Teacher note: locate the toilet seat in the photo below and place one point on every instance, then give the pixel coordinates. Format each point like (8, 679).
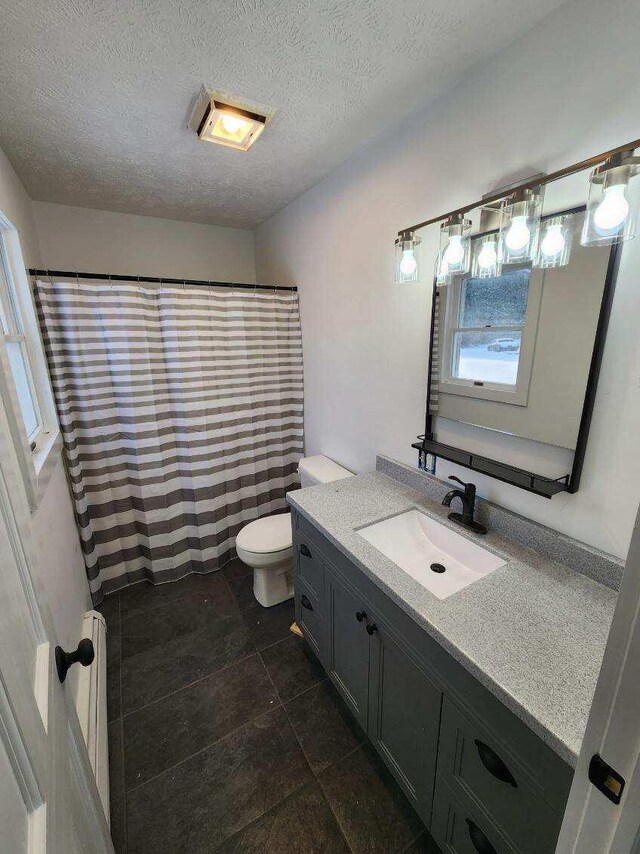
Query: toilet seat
(269, 535)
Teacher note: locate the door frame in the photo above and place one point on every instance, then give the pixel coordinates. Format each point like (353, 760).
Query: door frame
(592, 823)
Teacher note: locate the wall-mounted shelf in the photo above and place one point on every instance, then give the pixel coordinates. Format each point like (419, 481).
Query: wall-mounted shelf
(543, 486)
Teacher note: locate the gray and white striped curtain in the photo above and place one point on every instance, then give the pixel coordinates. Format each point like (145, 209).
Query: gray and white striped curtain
(181, 411)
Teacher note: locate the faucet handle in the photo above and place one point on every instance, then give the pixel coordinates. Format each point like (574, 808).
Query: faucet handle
(457, 480)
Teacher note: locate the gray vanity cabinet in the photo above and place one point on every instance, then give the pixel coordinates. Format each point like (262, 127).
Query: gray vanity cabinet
(479, 778)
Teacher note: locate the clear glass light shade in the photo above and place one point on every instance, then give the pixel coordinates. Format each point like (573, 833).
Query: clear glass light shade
(486, 258)
(455, 249)
(612, 206)
(554, 243)
(519, 226)
(407, 261)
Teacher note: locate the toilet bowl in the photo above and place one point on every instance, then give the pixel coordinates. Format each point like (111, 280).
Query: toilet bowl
(266, 545)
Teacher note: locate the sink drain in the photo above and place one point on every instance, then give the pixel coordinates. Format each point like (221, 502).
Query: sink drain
(438, 567)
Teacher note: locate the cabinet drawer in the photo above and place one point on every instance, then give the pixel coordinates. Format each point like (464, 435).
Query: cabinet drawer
(309, 618)
(475, 763)
(461, 828)
(309, 566)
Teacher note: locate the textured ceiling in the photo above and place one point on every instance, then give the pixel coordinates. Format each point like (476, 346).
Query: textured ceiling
(95, 94)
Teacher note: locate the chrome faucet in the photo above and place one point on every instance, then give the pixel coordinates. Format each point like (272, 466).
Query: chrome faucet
(468, 499)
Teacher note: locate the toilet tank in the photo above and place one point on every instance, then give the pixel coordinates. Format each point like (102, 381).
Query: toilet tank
(320, 469)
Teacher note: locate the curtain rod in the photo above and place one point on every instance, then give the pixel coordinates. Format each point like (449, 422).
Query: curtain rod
(525, 185)
(157, 280)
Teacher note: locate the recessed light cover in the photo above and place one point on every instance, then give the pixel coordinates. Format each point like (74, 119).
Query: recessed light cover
(229, 125)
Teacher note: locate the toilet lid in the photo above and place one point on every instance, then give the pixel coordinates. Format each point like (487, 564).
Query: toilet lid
(271, 534)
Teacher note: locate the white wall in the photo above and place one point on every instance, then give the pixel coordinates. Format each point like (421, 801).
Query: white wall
(96, 241)
(566, 90)
(59, 571)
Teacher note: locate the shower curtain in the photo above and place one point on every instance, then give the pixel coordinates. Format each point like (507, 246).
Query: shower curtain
(181, 411)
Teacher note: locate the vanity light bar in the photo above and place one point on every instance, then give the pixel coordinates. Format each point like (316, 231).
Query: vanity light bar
(530, 184)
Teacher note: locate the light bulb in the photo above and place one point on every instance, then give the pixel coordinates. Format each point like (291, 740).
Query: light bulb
(454, 253)
(231, 124)
(408, 263)
(553, 242)
(487, 256)
(518, 235)
(612, 210)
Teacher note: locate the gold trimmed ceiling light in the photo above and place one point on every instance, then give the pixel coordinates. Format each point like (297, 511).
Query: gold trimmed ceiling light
(225, 122)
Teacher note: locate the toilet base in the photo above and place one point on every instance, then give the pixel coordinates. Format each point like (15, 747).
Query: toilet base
(274, 584)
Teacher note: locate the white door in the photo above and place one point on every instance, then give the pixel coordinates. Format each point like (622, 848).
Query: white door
(48, 797)
(593, 824)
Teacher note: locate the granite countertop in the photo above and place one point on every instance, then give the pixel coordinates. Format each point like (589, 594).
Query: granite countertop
(533, 632)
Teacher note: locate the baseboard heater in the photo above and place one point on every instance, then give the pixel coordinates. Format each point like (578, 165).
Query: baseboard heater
(91, 703)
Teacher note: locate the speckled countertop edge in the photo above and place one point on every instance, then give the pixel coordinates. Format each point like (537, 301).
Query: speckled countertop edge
(533, 632)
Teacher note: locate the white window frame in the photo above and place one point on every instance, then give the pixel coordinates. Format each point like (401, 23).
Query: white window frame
(517, 394)
(37, 465)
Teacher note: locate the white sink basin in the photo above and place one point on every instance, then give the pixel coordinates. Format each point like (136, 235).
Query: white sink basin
(415, 543)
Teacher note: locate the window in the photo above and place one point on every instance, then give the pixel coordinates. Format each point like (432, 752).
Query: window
(25, 391)
(16, 343)
(489, 336)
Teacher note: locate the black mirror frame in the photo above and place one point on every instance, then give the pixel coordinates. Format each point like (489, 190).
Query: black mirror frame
(538, 484)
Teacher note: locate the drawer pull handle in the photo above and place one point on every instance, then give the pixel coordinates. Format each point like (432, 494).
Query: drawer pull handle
(361, 615)
(494, 764)
(478, 839)
(305, 551)
(371, 628)
(304, 601)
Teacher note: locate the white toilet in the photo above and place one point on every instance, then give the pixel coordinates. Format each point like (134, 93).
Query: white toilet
(266, 545)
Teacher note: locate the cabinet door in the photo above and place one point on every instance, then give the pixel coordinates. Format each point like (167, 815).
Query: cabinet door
(404, 719)
(348, 647)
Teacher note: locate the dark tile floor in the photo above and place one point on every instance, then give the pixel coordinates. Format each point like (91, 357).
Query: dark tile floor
(225, 735)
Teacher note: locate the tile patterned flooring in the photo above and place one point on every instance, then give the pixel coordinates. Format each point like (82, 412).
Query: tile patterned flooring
(225, 735)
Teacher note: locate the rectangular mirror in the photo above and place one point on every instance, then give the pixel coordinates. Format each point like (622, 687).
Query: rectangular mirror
(516, 345)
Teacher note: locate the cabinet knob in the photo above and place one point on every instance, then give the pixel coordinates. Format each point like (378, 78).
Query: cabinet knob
(304, 601)
(84, 654)
(494, 764)
(478, 839)
(304, 550)
(371, 628)
(361, 615)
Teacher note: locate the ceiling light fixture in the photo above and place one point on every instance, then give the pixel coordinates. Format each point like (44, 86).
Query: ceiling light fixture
(231, 126)
(223, 119)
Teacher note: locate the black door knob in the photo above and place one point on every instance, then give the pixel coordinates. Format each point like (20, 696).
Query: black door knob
(304, 601)
(371, 628)
(304, 550)
(361, 615)
(84, 654)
